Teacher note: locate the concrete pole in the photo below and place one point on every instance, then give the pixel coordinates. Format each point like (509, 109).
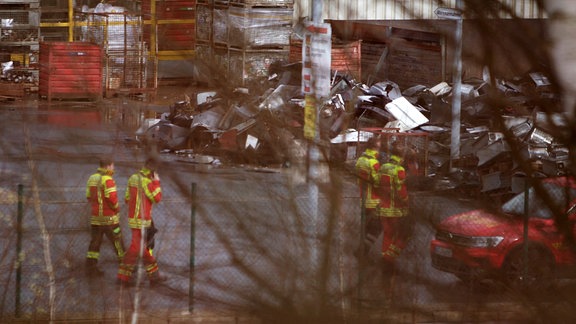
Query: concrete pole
(457, 90)
(562, 24)
(317, 7)
(314, 169)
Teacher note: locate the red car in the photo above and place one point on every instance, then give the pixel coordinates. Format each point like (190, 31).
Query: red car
(479, 244)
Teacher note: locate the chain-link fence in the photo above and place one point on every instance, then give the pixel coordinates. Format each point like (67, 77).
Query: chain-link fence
(229, 240)
(239, 241)
(243, 240)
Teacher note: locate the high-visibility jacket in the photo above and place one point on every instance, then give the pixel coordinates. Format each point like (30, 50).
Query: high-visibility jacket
(367, 167)
(102, 195)
(141, 193)
(392, 189)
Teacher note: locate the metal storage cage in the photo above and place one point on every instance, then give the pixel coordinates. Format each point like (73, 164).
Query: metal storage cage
(128, 66)
(203, 23)
(248, 65)
(259, 26)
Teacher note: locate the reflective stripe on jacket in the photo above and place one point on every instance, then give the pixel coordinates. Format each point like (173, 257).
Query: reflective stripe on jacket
(367, 167)
(141, 193)
(392, 189)
(103, 198)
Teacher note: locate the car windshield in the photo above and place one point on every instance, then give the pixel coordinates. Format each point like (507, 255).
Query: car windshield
(561, 197)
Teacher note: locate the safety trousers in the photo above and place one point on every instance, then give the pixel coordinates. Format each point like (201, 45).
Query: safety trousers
(395, 237)
(128, 264)
(114, 235)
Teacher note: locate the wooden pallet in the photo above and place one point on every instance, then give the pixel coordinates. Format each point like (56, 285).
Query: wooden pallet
(9, 90)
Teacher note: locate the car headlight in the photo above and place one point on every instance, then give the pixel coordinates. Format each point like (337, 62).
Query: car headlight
(469, 241)
(482, 241)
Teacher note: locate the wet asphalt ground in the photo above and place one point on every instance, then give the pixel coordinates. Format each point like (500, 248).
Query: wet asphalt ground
(248, 243)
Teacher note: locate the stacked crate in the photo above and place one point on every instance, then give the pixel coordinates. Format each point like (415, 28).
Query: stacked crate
(70, 70)
(259, 34)
(19, 37)
(346, 57)
(174, 23)
(252, 34)
(204, 24)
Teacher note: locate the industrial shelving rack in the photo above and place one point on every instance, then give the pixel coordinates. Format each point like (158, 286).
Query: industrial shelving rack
(170, 24)
(19, 43)
(54, 20)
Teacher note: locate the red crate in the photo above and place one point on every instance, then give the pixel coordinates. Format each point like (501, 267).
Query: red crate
(170, 9)
(70, 70)
(345, 57)
(176, 37)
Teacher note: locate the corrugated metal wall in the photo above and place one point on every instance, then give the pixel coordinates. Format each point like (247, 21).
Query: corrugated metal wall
(403, 9)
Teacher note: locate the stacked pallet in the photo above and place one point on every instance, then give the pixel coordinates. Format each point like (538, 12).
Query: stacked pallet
(10, 90)
(243, 37)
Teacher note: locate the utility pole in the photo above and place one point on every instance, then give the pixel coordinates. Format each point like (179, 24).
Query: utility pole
(455, 14)
(314, 152)
(457, 90)
(316, 61)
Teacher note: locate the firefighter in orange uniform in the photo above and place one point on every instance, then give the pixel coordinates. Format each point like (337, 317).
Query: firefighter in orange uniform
(104, 220)
(143, 191)
(393, 207)
(367, 167)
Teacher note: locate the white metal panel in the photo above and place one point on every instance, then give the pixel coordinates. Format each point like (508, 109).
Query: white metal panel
(402, 9)
(380, 9)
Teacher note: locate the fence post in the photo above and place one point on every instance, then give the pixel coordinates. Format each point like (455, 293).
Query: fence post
(192, 247)
(362, 253)
(527, 184)
(19, 249)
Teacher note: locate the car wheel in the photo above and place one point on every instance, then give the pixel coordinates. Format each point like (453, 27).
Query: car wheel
(533, 270)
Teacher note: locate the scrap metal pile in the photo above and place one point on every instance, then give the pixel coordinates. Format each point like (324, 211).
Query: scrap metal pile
(266, 128)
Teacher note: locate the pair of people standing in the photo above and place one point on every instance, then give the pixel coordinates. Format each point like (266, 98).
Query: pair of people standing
(143, 191)
(384, 197)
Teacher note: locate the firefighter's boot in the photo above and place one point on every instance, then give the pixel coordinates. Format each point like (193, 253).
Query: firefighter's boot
(92, 268)
(156, 278)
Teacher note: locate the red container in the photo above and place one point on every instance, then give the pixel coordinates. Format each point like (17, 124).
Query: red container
(345, 57)
(70, 70)
(170, 9)
(175, 21)
(176, 37)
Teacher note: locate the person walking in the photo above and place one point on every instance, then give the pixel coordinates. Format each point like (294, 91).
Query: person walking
(367, 167)
(393, 207)
(142, 193)
(102, 195)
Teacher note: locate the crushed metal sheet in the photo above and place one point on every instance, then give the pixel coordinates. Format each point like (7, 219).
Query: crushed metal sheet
(352, 136)
(406, 112)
